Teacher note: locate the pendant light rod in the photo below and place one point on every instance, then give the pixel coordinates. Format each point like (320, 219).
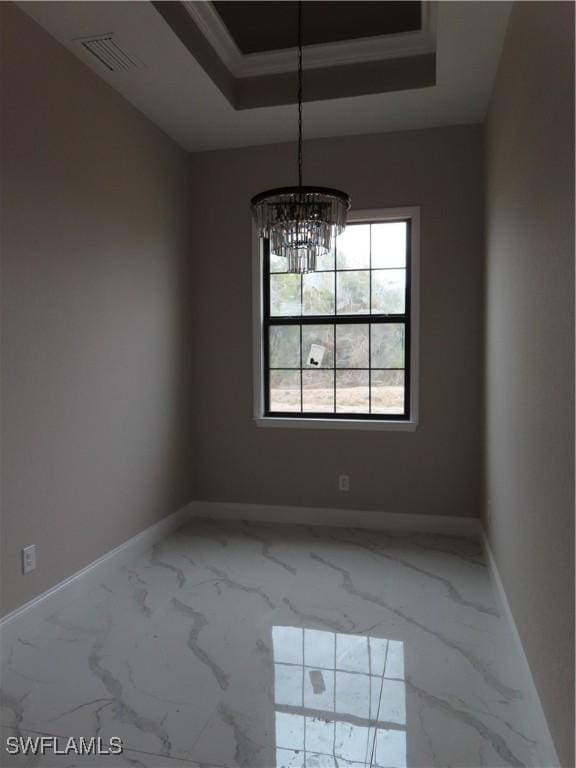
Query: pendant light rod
(301, 223)
(299, 93)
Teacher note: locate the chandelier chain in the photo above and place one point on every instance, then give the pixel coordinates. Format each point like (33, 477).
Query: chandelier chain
(299, 93)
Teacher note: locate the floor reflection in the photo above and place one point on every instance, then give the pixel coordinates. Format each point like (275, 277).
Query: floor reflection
(340, 700)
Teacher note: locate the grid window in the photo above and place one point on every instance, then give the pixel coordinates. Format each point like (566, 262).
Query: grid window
(336, 341)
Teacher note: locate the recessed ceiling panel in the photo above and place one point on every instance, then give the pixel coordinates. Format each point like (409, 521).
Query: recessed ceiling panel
(267, 26)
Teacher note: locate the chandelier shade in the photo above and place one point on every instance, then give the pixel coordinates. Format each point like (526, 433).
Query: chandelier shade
(300, 222)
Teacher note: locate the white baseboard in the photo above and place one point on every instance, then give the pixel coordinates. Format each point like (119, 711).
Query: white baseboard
(338, 518)
(541, 734)
(43, 605)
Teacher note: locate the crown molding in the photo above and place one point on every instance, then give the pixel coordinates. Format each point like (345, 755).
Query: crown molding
(216, 33)
(362, 50)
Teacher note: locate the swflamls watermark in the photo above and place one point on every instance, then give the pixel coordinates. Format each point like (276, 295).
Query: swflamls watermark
(55, 745)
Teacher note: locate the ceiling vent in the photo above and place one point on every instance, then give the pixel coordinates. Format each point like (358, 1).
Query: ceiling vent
(109, 54)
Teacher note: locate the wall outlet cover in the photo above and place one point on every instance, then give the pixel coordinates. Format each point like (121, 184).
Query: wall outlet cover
(28, 558)
(344, 482)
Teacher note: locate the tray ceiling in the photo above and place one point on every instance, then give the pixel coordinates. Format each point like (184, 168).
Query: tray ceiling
(172, 87)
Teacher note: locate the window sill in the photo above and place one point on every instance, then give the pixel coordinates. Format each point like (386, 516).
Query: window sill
(354, 424)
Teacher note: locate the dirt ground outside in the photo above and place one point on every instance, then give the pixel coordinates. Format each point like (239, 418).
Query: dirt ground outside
(351, 399)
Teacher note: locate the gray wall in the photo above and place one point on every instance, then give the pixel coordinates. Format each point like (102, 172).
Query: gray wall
(530, 346)
(95, 242)
(436, 469)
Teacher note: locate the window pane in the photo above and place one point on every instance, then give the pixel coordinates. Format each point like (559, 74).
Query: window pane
(284, 390)
(353, 247)
(352, 346)
(278, 263)
(317, 346)
(387, 345)
(284, 295)
(352, 391)
(326, 261)
(353, 292)
(318, 391)
(318, 293)
(285, 346)
(388, 291)
(389, 245)
(388, 392)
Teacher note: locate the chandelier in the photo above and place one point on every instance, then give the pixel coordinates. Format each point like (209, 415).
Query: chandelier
(301, 222)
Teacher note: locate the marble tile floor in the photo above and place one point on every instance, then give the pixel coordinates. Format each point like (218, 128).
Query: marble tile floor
(235, 644)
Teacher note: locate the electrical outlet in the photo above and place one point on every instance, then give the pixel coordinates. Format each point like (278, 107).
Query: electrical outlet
(343, 482)
(29, 558)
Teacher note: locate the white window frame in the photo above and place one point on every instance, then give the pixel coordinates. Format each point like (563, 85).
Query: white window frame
(376, 215)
